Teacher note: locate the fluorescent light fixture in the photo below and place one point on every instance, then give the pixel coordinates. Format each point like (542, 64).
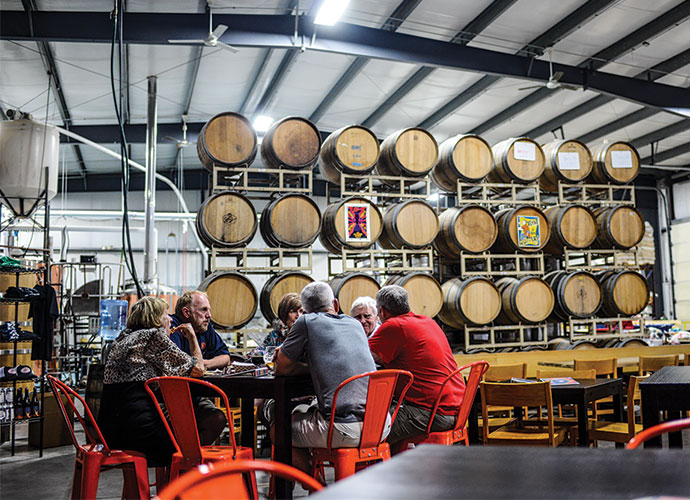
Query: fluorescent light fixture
(262, 123)
(330, 11)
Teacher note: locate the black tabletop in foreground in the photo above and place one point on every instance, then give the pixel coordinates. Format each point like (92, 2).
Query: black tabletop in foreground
(519, 472)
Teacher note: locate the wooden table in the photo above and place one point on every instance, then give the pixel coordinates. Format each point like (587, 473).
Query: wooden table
(492, 472)
(665, 390)
(580, 395)
(282, 389)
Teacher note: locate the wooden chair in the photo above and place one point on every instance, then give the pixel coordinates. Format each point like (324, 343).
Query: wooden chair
(381, 388)
(520, 432)
(95, 456)
(606, 368)
(499, 416)
(650, 364)
(620, 432)
(663, 428)
(182, 427)
(458, 434)
(225, 480)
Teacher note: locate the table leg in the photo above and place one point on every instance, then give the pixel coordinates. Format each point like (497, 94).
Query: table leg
(582, 434)
(675, 439)
(650, 418)
(618, 408)
(283, 441)
(248, 423)
(473, 424)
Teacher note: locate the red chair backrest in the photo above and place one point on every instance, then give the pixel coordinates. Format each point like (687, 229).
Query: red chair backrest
(224, 480)
(477, 371)
(380, 392)
(179, 406)
(87, 420)
(652, 432)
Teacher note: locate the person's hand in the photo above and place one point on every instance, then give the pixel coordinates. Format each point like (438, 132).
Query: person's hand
(186, 330)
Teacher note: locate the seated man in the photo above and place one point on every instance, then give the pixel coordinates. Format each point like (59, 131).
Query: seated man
(194, 308)
(363, 309)
(415, 343)
(334, 348)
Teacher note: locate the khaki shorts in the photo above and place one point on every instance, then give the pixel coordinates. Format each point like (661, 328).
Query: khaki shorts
(310, 429)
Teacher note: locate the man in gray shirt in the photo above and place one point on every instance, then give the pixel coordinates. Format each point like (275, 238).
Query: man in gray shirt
(331, 347)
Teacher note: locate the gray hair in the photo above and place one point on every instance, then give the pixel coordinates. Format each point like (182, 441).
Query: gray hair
(394, 299)
(364, 301)
(316, 297)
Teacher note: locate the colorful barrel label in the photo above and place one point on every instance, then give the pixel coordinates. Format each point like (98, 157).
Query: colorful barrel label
(528, 231)
(357, 222)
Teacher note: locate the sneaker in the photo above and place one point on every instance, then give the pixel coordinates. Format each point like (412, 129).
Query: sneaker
(8, 374)
(24, 372)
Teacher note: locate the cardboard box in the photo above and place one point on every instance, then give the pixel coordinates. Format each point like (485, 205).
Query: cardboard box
(55, 432)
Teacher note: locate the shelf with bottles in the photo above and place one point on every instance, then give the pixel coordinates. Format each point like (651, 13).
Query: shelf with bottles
(17, 405)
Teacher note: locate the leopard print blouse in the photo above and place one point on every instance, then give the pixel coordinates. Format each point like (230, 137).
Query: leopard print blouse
(140, 355)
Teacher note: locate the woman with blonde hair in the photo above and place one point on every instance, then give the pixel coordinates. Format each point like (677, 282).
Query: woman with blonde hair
(128, 417)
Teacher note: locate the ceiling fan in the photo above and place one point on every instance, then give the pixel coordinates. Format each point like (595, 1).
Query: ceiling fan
(553, 81)
(213, 35)
(184, 142)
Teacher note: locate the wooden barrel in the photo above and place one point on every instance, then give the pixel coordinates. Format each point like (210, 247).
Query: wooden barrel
(410, 224)
(276, 287)
(232, 297)
(411, 152)
(292, 143)
(567, 161)
(464, 158)
(525, 300)
(291, 221)
(571, 226)
(349, 286)
(619, 227)
(228, 140)
(354, 223)
(470, 228)
(522, 229)
(474, 301)
(616, 162)
(352, 150)
(624, 293)
(517, 160)
(227, 220)
(424, 292)
(576, 294)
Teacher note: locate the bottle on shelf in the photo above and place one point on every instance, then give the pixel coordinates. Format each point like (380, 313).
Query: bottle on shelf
(27, 404)
(9, 406)
(19, 405)
(35, 405)
(3, 407)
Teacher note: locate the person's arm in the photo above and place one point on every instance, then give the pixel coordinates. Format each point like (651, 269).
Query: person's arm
(194, 350)
(377, 360)
(285, 366)
(217, 362)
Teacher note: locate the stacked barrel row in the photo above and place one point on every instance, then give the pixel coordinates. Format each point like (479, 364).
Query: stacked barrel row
(557, 296)
(228, 219)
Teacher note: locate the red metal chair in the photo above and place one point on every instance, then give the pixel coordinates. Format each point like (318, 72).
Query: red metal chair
(184, 433)
(225, 480)
(95, 455)
(381, 389)
(652, 432)
(459, 432)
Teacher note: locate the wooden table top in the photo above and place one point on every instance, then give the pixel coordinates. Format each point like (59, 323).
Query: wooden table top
(516, 472)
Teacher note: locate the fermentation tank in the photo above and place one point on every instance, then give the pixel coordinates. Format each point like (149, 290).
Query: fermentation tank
(26, 149)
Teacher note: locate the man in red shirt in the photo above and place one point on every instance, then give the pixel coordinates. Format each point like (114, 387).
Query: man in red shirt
(415, 343)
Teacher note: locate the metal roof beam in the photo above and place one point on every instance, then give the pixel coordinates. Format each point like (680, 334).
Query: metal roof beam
(652, 29)
(463, 37)
(554, 34)
(662, 133)
(55, 84)
(654, 73)
(666, 155)
(393, 22)
(278, 31)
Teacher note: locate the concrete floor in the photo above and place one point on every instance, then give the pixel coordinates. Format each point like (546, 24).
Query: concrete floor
(26, 476)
